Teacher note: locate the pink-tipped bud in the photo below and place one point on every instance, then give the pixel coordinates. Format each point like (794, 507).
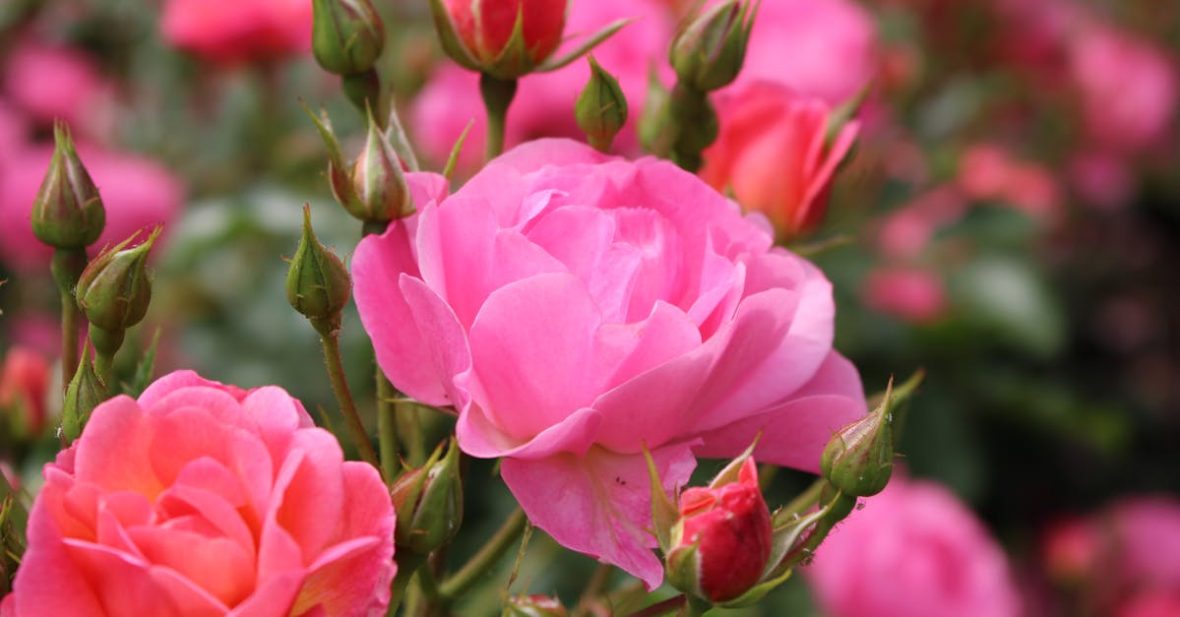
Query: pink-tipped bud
(507, 38)
(722, 541)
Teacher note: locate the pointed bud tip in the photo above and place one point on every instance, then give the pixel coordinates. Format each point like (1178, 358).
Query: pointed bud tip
(858, 461)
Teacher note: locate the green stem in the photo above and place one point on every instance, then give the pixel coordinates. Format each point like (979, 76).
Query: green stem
(364, 91)
(662, 608)
(104, 367)
(386, 427)
(487, 556)
(67, 266)
(593, 589)
(497, 96)
(330, 337)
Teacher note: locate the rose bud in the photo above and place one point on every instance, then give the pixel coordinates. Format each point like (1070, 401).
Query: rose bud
(318, 285)
(708, 53)
(379, 184)
(858, 460)
(429, 502)
(84, 392)
(505, 38)
(534, 606)
(67, 212)
(114, 292)
(721, 542)
(601, 109)
(347, 36)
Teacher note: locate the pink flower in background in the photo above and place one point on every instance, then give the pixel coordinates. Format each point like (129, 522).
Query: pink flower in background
(823, 48)
(1154, 604)
(1101, 179)
(236, 31)
(914, 550)
(914, 294)
(14, 133)
(906, 232)
(1072, 549)
(199, 499)
(544, 103)
(55, 82)
(24, 387)
(137, 193)
(1145, 543)
(773, 153)
(990, 172)
(1128, 88)
(574, 308)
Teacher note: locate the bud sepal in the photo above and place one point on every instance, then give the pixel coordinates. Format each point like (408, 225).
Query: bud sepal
(429, 502)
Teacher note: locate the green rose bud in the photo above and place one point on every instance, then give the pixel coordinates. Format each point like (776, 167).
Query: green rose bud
(347, 36)
(318, 285)
(708, 54)
(67, 212)
(601, 109)
(429, 503)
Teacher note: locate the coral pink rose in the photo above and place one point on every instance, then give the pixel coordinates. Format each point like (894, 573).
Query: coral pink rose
(544, 103)
(822, 48)
(1129, 89)
(773, 152)
(914, 550)
(58, 83)
(235, 31)
(137, 192)
(24, 387)
(204, 499)
(575, 308)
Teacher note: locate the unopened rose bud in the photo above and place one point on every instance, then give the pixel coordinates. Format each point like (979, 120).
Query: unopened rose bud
(429, 503)
(601, 110)
(534, 606)
(115, 290)
(347, 36)
(318, 285)
(708, 54)
(722, 540)
(378, 182)
(859, 458)
(505, 38)
(84, 392)
(67, 212)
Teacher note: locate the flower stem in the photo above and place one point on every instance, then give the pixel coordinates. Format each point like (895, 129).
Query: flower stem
(487, 556)
(497, 96)
(67, 267)
(330, 337)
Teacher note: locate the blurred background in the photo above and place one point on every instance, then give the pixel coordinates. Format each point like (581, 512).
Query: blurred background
(1009, 222)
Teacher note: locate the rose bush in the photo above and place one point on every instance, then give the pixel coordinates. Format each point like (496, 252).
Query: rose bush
(205, 499)
(575, 308)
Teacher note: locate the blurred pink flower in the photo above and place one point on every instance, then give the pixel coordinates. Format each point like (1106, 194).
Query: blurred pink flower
(40, 332)
(575, 308)
(236, 31)
(773, 152)
(1071, 550)
(906, 232)
(1128, 88)
(199, 499)
(1152, 604)
(544, 103)
(914, 550)
(54, 82)
(1146, 542)
(822, 48)
(137, 192)
(24, 387)
(989, 172)
(14, 133)
(910, 293)
(1101, 179)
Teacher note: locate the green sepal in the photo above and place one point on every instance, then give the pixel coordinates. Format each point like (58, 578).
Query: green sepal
(584, 48)
(664, 513)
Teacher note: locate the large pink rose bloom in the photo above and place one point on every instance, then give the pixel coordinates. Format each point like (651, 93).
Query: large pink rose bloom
(235, 31)
(138, 193)
(544, 103)
(58, 83)
(1129, 88)
(914, 550)
(575, 307)
(203, 499)
(823, 48)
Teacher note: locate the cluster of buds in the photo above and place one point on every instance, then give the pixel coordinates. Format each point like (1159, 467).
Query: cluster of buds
(429, 503)
(84, 392)
(347, 38)
(115, 290)
(722, 546)
(373, 188)
(706, 55)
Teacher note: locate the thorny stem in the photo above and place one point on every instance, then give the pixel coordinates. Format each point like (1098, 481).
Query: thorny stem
(330, 337)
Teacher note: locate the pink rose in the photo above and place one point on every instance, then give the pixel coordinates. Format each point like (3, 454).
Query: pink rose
(914, 550)
(137, 192)
(575, 308)
(1128, 88)
(204, 499)
(544, 103)
(24, 387)
(1145, 542)
(772, 151)
(822, 48)
(913, 294)
(236, 31)
(52, 83)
